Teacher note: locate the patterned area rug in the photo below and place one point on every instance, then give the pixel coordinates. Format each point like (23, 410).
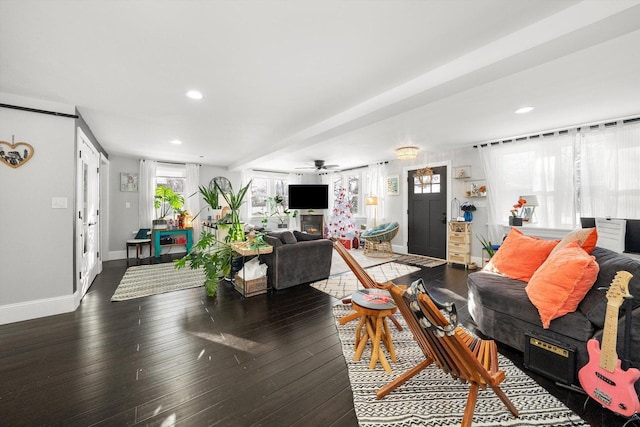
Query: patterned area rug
(420, 260)
(342, 285)
(145, 280)
(433, 398)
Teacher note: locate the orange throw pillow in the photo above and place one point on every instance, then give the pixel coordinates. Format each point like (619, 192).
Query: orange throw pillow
(586, 237)
(562, 282)
(520, 256)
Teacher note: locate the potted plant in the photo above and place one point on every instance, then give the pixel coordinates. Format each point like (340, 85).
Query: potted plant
(277, 209)
(235, 200)
(515, 219)
(165, 201)
(468, 208)
(214, 256)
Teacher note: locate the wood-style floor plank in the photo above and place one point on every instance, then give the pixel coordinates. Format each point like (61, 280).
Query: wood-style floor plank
(184, 358)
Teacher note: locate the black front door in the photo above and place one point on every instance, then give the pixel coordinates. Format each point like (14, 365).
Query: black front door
(428, 212)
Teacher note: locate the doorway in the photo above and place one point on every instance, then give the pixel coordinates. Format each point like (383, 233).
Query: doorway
(427, 211)
(88, 262)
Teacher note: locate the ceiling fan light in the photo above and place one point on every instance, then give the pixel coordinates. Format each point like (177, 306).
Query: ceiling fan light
(407, 153)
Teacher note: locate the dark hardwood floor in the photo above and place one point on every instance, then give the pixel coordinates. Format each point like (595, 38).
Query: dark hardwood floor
(184, 359)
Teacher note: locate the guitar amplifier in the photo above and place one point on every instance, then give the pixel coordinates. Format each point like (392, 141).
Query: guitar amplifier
(550, 358)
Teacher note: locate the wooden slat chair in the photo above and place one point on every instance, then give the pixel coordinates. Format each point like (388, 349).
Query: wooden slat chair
(364, 278)
(467, 358)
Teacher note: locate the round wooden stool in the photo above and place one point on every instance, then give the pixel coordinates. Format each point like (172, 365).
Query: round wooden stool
(374, 306)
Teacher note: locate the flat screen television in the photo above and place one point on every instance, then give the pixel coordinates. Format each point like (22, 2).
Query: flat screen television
(308, 196)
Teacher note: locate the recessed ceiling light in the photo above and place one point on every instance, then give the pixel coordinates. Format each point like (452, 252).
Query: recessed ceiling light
(176, 141)
(194, 94)
(524, 110)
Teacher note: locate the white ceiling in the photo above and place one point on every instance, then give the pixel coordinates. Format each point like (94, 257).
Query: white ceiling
(287, 82)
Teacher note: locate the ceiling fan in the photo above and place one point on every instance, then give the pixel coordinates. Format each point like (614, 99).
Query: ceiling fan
(319, 165)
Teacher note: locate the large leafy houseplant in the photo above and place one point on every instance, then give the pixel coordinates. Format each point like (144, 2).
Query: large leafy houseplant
(213, 255)
(166, 200)
(278, 210)
(235, 200)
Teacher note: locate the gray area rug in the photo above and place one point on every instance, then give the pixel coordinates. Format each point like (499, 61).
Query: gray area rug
(345, 284)
(433, 398)
(420, 260)
(145, 280)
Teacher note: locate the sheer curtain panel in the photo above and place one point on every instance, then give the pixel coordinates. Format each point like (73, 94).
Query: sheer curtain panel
(192, 197)
(609, 170)
(147, 191)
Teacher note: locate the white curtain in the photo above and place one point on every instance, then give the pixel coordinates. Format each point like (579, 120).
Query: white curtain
(192, 197)
(327, 178)
(146, 194)
(294, 178)
(375, 186)
(543, 167)
(609, 172)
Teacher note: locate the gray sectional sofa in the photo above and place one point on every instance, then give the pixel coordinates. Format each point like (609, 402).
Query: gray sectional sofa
(297, 258)
(502, 311)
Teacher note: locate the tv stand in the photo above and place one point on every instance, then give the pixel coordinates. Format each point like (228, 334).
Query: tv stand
(312, 224)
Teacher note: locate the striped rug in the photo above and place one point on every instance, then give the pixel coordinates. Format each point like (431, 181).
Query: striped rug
(144, 280)
(433, 398)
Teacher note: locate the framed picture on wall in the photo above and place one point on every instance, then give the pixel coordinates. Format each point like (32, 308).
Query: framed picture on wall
(393, 185)
(128, 181)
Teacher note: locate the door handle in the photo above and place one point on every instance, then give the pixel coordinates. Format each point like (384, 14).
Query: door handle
(444, 217)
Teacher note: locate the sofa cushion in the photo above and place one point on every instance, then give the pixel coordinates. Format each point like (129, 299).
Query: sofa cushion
(304, 237)
(561, 282)
(594, 304)
(520, 256)
(286, 237)
(586, 237)
(490, 291)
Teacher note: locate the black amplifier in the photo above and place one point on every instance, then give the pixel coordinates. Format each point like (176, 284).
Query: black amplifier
(550, 358)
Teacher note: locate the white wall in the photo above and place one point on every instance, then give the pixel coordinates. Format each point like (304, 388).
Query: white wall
(124, 220)
(396, 206)
(36, 241)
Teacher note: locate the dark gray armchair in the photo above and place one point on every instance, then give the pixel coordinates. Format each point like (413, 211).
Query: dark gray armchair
(297, 258)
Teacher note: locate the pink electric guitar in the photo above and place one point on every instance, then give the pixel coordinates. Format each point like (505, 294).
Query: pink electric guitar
(603, 378)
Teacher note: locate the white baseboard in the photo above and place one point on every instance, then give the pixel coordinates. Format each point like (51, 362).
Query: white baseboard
(117, 255)
(113, 255)
(27, 310)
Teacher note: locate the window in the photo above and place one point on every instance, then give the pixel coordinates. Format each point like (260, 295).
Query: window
(265, 186)
(586, 173)
(352, 182)
(173, 176)
(426, 184)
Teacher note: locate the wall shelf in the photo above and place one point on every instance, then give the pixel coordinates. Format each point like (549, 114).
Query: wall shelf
(462, 172)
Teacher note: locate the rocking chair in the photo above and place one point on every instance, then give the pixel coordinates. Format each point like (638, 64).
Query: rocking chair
(467, 358)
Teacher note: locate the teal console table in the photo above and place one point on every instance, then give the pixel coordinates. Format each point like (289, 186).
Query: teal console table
(157, 234)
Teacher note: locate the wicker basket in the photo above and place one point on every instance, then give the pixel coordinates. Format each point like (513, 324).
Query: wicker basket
(249, 288)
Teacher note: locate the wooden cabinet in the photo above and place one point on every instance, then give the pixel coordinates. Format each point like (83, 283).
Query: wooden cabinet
(459, 243)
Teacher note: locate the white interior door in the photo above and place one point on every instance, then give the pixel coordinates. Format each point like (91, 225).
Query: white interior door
(88, 263)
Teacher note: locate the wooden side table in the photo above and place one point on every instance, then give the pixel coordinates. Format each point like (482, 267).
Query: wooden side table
(251, 287)
(374, 306)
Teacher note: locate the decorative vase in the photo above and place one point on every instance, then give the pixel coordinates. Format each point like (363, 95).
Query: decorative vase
(515, 221)
(468, 216)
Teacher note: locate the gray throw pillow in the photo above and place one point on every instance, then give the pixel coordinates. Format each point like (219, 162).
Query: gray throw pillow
(303, 237)
(287, 238)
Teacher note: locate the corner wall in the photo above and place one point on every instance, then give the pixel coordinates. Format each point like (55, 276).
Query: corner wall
(36, 240)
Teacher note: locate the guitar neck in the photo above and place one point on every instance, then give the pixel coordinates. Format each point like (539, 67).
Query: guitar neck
(608, 354)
